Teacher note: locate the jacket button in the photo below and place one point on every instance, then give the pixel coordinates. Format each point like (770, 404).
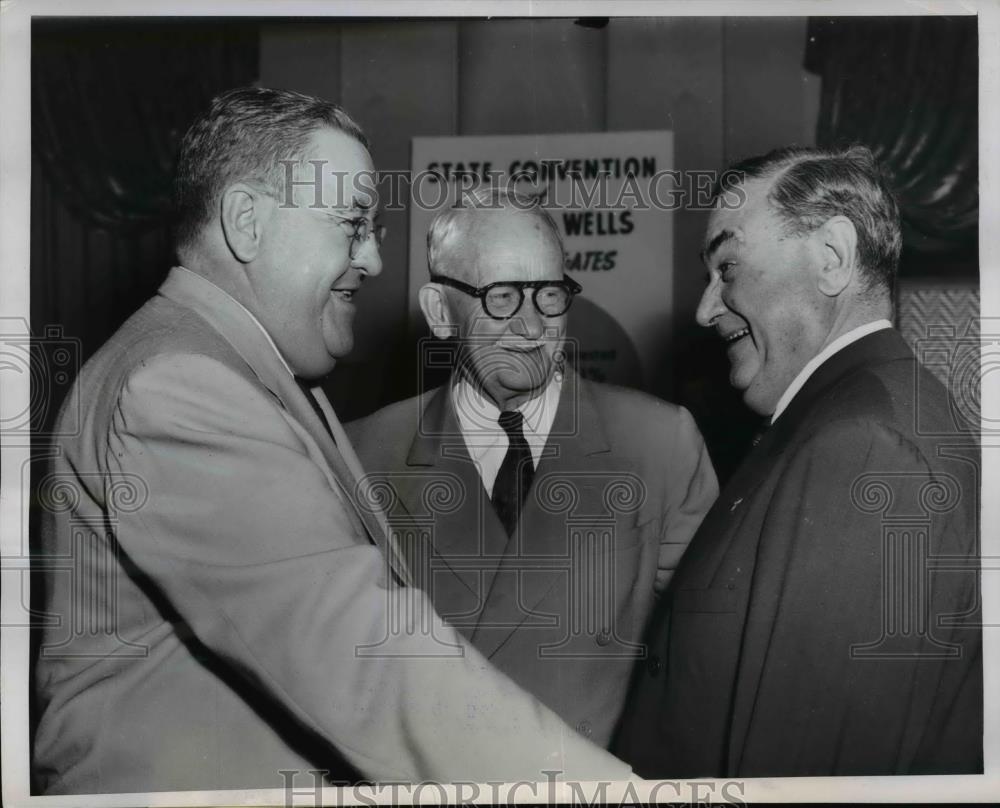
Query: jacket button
(603, 638)
(584, 728)
(653, 665)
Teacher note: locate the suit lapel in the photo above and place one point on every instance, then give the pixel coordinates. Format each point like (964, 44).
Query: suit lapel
(248, 338)
(439, 444)
(466, 541)
(353, 482)
(725, 518)
(882, 346)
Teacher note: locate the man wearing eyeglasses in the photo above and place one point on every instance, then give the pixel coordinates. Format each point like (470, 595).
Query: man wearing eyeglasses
(553, 508)
(219, 592)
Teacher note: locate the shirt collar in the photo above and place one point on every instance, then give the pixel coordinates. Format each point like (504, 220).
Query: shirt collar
(246, 311)
(477, 414)
(838, 344)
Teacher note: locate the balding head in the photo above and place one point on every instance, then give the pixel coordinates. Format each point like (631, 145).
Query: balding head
(492, 220)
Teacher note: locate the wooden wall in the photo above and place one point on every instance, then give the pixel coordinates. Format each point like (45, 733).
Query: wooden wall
(727, 87)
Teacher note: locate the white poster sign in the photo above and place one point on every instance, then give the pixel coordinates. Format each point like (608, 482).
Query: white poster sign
(610, 194)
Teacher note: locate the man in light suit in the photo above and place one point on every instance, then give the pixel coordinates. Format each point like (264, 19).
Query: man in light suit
(223, 590)
(825, 619)
(569, 502)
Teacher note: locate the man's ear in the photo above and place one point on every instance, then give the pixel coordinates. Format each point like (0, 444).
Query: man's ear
(436, 311)
(838, 245)
(243, 213)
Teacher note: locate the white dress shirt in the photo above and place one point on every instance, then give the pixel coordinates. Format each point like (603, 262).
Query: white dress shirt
(838, 344)
(485, 439)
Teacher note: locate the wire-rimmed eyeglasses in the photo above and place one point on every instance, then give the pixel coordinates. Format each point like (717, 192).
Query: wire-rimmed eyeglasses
(362, 229)
(503, 299)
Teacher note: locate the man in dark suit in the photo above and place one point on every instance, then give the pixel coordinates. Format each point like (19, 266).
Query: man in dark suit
(556, 532)
(228, 605)
(825, 619)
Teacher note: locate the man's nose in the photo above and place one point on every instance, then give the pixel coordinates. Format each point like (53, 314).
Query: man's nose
(711, 307)
(368, 257)
(528, 322)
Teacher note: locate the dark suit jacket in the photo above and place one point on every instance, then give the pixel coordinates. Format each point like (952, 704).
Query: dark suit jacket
(825, 617)
(560, 607)
(222, 613)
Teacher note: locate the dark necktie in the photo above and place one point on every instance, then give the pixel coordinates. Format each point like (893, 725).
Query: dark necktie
(315, 405)
(510, 490)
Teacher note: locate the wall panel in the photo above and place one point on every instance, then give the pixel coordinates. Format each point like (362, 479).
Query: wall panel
(398, 79)
(301, 56)
(768, 94)
(667, 74)
(524, 76)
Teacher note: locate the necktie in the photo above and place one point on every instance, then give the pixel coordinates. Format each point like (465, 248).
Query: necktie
(315, 405)
(513, 481)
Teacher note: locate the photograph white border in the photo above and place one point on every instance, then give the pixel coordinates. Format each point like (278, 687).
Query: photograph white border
(15, 167)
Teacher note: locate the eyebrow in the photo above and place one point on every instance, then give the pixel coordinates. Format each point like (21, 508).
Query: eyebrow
(717, 241)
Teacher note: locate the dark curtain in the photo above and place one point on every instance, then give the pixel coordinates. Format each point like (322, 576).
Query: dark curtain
(110, 103)
(110, 100)
(907, 87)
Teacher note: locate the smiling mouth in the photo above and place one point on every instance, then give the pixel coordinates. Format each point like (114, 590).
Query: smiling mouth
(736, 336)
(344, 294)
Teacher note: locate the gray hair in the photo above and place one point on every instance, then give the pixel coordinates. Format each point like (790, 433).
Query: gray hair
(244, 135)
(813, 185)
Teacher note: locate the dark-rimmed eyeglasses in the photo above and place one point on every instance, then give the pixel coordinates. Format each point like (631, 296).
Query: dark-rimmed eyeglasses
(503, 299)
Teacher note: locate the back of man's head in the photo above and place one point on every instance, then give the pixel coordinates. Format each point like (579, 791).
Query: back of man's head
(811, 185)
(244, 136)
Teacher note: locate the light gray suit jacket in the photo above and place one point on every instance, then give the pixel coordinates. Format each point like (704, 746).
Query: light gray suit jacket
(222, 611)
(560, 606)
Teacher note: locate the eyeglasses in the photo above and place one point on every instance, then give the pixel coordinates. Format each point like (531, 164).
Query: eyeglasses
(502, 300)
(362, 230)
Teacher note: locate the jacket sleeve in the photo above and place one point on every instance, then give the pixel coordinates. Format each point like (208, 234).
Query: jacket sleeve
(846, 666)
(246, 538)
(692, 490)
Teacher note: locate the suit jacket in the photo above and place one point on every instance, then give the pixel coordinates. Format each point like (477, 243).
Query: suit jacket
(560, 606)
(825, 619)
(219, 610)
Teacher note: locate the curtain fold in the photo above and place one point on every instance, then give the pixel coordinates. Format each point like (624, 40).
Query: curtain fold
(110, 102)
(907, 87)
